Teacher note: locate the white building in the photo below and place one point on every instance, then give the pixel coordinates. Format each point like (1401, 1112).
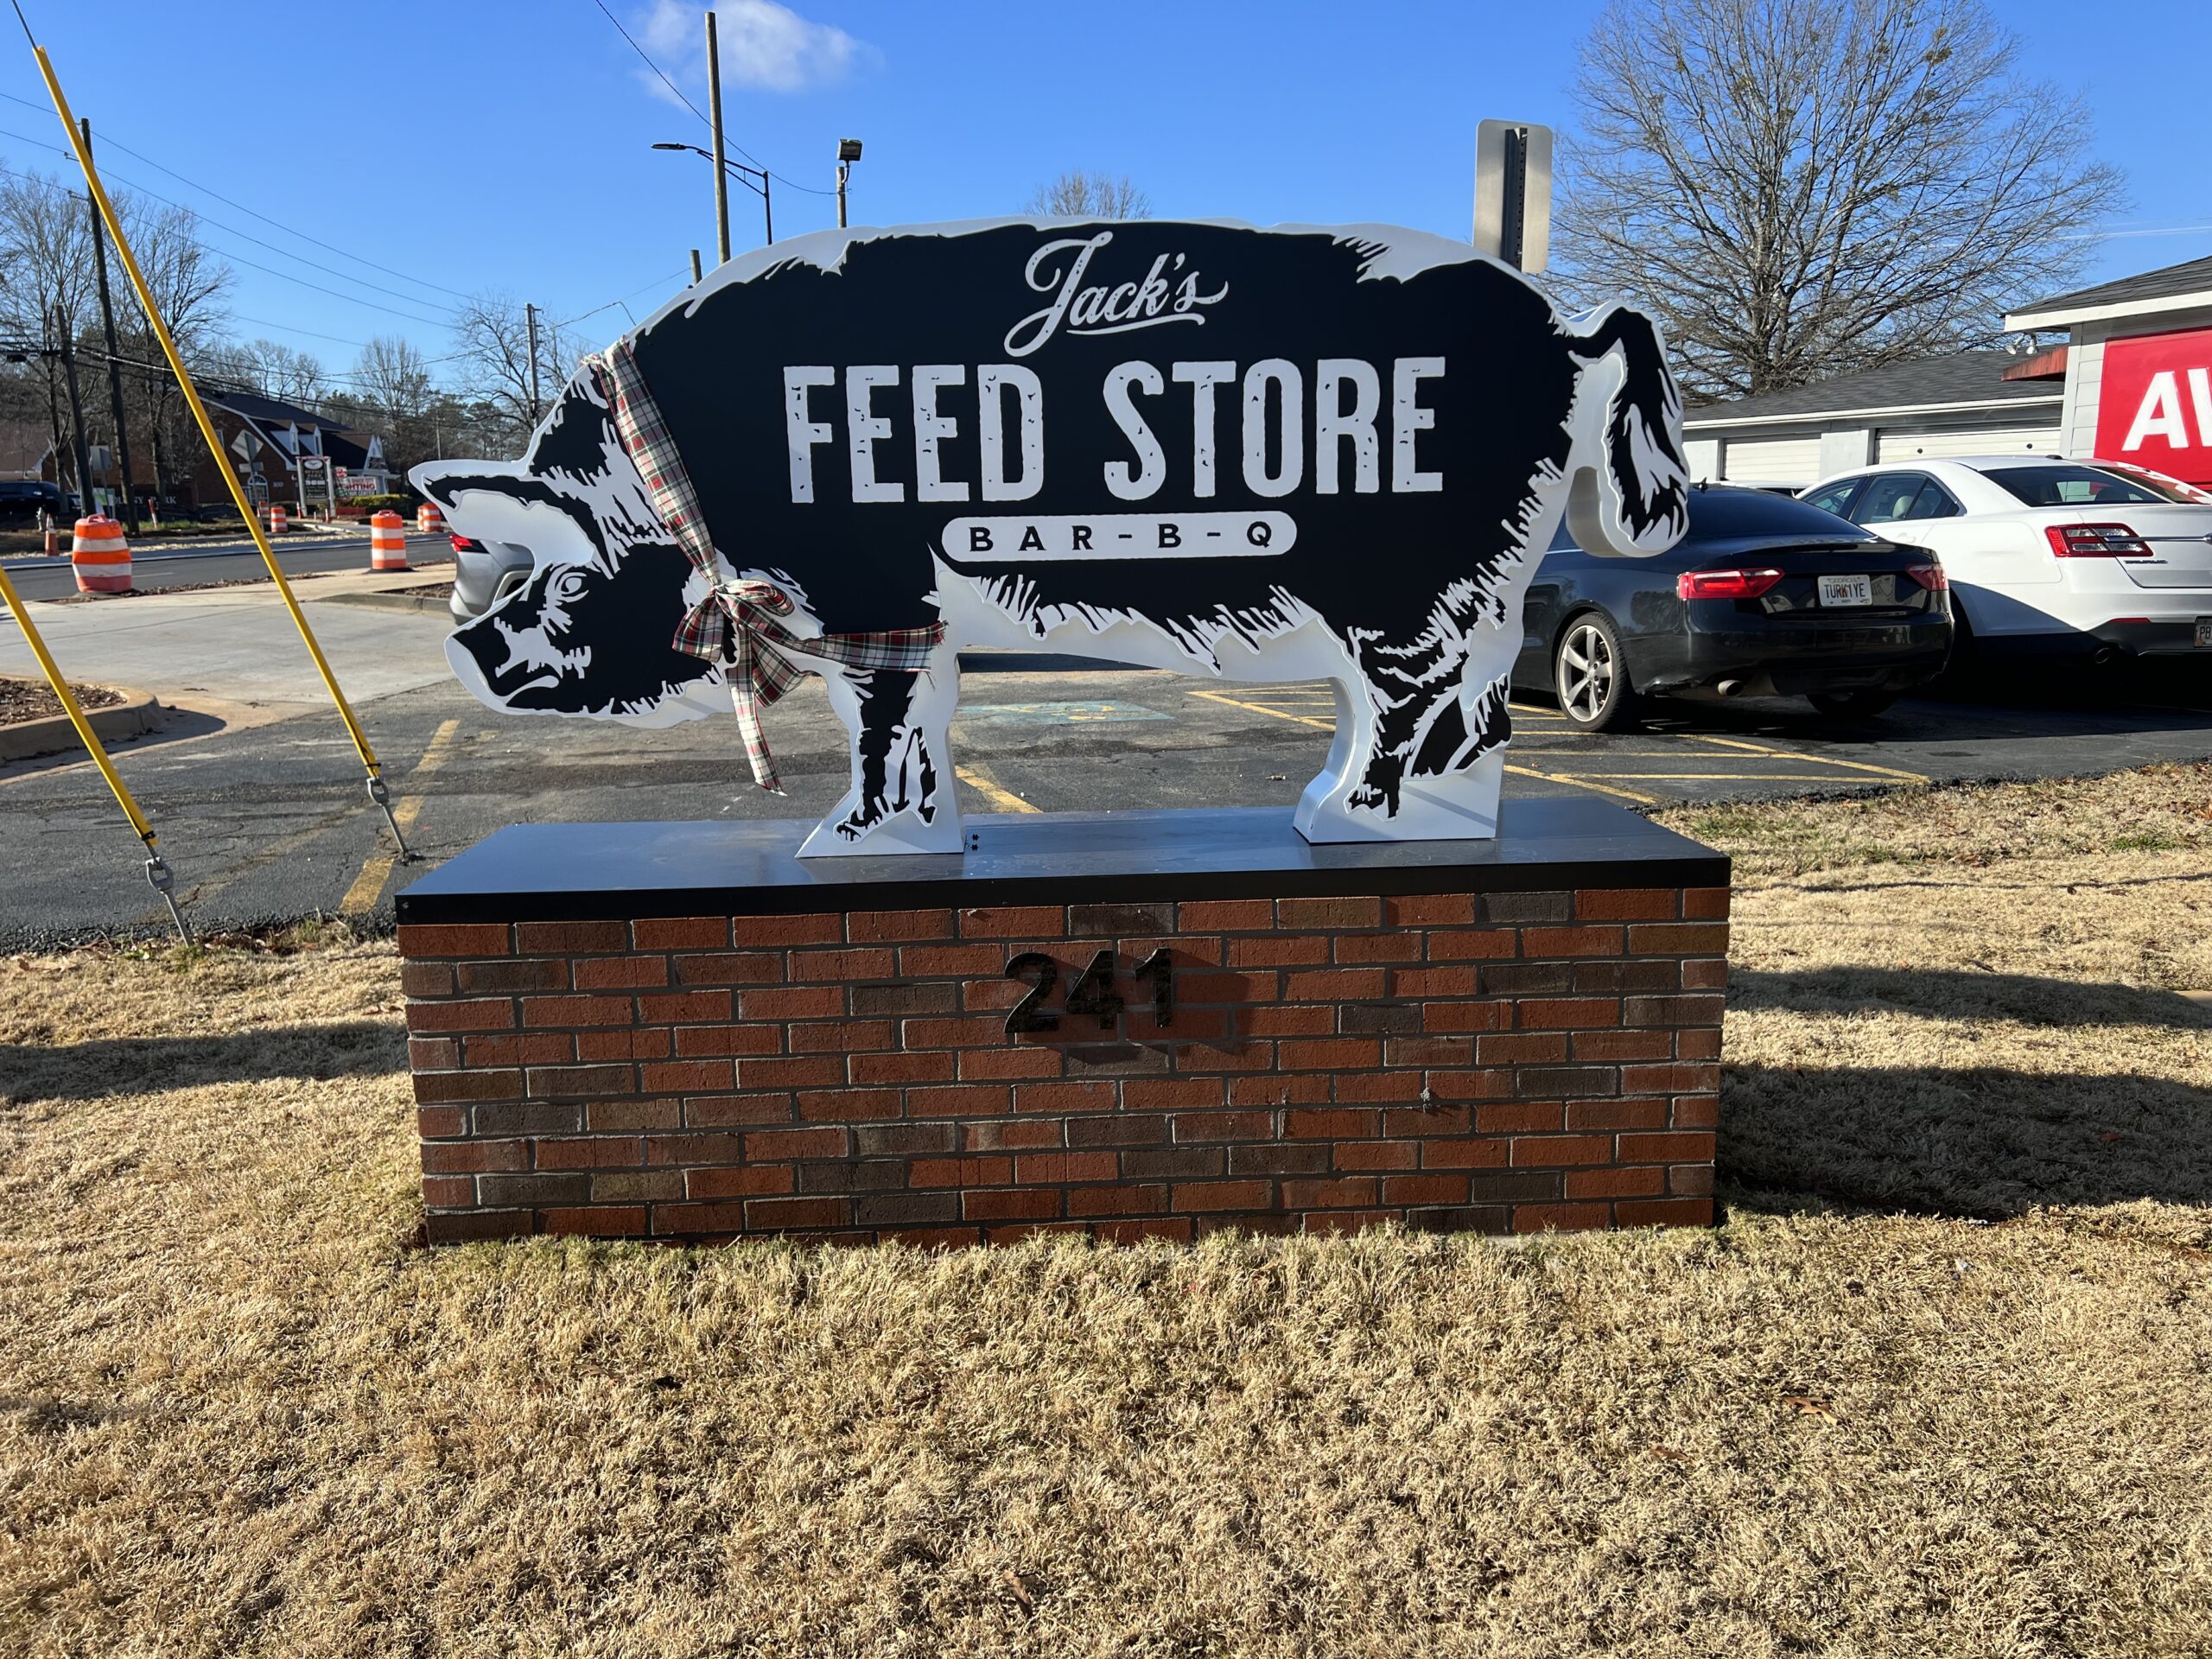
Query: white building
(2132, 383)
(1970, 404)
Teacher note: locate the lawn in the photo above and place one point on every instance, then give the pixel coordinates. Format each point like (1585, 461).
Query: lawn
(1940, 1383)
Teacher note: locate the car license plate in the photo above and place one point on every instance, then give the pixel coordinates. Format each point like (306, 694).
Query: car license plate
(2204, 634)
(1846, 590)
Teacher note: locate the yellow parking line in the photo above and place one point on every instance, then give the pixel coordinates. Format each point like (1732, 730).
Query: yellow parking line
(1006, 800)
(1811, 759)
(1263, 708)
(1710, 777)
(1330, 725)
(1581, 781)
(368, 886)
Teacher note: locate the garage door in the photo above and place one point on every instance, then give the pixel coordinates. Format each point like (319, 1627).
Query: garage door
(1968, 441)
(1773, 461)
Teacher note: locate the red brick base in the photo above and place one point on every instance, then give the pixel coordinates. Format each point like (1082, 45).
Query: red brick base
(1509, 1061)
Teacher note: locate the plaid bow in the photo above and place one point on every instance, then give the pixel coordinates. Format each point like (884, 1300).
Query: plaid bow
(734, 622)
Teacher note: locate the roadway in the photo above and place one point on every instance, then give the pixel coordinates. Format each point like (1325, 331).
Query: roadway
(36, 577)
(261, 807)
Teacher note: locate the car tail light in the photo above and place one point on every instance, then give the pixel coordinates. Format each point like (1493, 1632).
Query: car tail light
(2096, 541)
(1929, 576)
(462, 545)
(1725, 584)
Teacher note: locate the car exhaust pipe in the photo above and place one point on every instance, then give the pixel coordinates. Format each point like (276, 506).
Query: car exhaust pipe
(2104, 656)
(1729, 688)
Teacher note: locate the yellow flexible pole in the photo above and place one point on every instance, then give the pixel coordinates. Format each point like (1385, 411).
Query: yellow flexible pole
(158, 869)
(377, 792)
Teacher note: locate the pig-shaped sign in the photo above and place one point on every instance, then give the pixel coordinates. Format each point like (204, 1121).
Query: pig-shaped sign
(1243, 455)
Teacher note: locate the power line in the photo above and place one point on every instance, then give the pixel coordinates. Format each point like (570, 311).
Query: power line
(649, 63)
(288, 328)
(450, 323)
(232, 230)
(281, 276)
(643, 288)
(788, 183)
(421, 282)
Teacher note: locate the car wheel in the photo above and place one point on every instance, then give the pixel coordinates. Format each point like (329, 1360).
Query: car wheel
(1851, 705)
(1591, 675)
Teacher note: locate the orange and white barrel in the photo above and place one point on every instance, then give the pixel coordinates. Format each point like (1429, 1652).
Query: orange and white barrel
(428, 521)
(388, 542)
(100, 556)
(276, 518)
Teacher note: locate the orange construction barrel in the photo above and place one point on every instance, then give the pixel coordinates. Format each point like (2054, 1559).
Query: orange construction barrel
(100, 556)
(276, 518)
(388, 542)
(428, 521)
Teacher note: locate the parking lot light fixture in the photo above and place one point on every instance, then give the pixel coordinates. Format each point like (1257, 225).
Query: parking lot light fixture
(849, 151)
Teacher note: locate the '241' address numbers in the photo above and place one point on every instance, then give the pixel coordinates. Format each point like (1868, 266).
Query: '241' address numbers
(1093, 992)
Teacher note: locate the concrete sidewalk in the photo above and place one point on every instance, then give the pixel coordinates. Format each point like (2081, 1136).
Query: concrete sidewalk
(233, 652)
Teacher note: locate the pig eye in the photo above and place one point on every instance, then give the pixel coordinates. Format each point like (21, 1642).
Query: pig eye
(566, 585)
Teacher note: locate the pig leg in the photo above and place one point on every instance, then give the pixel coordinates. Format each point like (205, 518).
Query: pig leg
(901, 797)
(1411, 687)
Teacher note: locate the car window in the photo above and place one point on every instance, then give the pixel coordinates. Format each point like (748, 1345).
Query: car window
(1836, 497)
(1889, 497)
(1726, 512)
(2069, 485)
(1934, 501)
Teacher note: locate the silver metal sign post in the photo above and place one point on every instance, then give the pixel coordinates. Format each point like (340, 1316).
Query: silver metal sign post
(1513, 193)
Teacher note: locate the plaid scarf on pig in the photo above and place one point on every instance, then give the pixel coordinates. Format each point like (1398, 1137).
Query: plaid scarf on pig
(735, 623)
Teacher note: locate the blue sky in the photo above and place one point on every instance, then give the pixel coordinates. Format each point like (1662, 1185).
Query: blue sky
(475, 145)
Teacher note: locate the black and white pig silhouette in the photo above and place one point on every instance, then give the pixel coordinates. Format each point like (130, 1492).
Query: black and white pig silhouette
(1245, 455)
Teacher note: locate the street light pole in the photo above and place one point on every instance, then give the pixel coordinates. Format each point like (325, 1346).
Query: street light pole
(714, 121)
(754, 178)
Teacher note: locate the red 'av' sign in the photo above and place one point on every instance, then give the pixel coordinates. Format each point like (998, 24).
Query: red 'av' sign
(2155, 406)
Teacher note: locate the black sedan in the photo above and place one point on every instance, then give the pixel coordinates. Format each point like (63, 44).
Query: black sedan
(1766, 596)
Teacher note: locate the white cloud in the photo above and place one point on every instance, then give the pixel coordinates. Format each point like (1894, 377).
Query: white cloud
(765, 45)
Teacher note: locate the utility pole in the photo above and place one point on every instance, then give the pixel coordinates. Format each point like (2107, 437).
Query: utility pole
(529, 317)
(114, 373)
(84, 503)
(714, 112)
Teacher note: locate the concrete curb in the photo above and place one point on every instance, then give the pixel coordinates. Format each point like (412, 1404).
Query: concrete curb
(388, 602)
(139, 712)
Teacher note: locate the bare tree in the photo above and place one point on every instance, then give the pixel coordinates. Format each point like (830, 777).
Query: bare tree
(390, 376)
(1798, 188)
(1079, 195)
(392, 386)
(492, 353)
(267, 367)
(46, 267)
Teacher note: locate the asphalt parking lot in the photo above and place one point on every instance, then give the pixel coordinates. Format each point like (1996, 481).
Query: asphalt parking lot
(269, 820)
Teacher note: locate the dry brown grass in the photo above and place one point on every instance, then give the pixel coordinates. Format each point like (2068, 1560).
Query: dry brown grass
(1939, 1386)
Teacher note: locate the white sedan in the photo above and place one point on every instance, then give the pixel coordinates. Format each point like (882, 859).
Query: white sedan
(2088, 557)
